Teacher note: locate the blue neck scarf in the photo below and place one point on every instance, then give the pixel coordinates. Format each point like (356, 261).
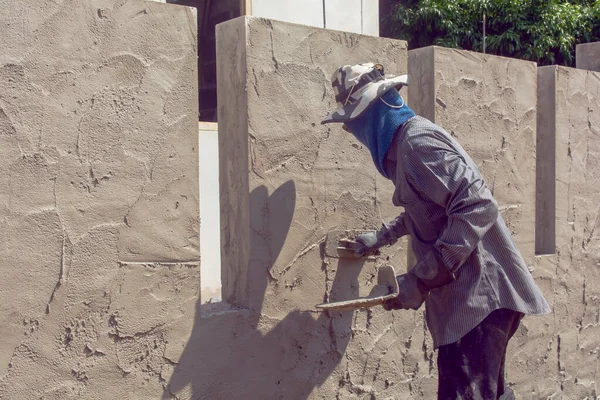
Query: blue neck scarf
(376, 126)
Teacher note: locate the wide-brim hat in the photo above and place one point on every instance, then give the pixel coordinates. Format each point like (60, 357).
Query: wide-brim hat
(356, 87)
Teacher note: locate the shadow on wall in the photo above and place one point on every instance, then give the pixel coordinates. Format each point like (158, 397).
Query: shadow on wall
(244, 353)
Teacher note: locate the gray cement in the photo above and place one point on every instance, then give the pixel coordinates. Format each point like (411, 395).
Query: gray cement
(488, 104)
(99, 200)
(98, 157)
(286, 180)
(559, 357)
(493, 113)
(587, 56)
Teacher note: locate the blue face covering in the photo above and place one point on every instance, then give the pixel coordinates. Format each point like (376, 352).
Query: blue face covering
(376, 126)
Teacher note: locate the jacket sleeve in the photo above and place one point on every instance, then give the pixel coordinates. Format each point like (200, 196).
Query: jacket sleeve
(394, 230)
(437, 171)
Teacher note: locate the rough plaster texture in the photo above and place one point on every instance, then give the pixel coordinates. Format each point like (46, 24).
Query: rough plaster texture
(488, 104)
(564, 351)
(99, 200)
(285, 182)
(286, 202)
(587, 56)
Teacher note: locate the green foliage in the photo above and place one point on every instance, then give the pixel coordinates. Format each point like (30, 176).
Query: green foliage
(545, 31)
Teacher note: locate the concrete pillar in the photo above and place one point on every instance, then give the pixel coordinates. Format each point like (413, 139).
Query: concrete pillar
(569, 153)
(545, 234)
(99, 200)
(568, 105)
(370, 17)
(587, 56)
(286, 180)
(489, 104)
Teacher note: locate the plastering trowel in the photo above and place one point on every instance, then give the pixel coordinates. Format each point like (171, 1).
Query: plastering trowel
(337, 245)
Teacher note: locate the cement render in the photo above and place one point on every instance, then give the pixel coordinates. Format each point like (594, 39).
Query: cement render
(497, 103)
(99, 207)
(576, 301)
(488, 104)
(587, 56)
(557, 356)
(307, 168)
(107, 309)
(286, 181)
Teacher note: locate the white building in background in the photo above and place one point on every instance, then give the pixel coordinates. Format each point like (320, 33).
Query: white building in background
(358, 16)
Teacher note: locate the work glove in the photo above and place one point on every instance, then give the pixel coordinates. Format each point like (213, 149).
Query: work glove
(370, 242)
(415, 285)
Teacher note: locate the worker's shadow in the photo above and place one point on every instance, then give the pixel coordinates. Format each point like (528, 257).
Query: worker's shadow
(248, 355)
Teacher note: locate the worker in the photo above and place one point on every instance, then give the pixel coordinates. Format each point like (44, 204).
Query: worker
(469, 273)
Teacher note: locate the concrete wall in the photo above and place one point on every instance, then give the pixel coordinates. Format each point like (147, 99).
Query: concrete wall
(571, 150)
(311, 167)
(587, 56)
(357, 16)
(285, 182)
(291, 196)
(99, 161)
(99, 200)
(489, 104)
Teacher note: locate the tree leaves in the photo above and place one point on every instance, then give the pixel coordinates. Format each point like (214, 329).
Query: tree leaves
(545, 31)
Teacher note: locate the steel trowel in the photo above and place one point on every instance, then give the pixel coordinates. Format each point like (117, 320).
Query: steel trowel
(340, 244)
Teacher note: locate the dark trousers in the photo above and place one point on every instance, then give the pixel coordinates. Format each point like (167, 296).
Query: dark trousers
(473, 367)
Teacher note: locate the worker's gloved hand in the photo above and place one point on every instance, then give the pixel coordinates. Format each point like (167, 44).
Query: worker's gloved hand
(389, 234)
(369, 242)
(412, 294)
(415, 285)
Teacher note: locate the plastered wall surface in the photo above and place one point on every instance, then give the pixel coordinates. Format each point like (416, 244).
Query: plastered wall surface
(285, 182)
(99, 200)
(564, 351)
(318, 177)
(276, 211)
(488, 104)
(98, 154)
(587, 56)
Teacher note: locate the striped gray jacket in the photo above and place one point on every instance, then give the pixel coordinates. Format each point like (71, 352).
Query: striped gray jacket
(448, 206)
